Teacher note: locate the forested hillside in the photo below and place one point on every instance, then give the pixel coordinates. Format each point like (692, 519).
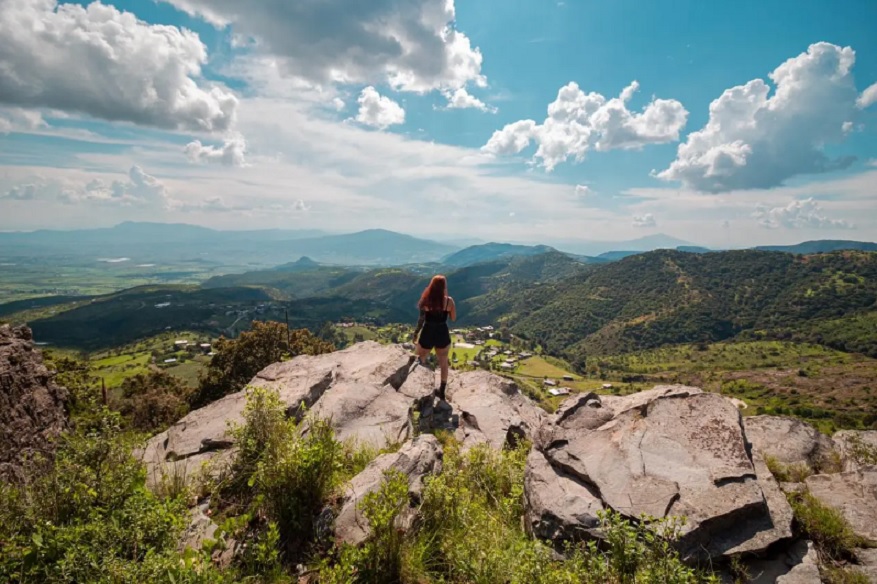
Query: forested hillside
(668, 297)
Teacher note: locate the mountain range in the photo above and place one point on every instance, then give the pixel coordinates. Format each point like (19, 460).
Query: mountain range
(160, 242)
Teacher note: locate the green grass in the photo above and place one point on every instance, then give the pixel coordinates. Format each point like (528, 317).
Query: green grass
(541, 367)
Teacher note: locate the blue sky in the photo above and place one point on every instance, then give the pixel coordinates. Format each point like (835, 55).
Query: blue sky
(432, 117)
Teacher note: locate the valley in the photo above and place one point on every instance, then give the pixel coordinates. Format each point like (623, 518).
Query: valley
(785, 332)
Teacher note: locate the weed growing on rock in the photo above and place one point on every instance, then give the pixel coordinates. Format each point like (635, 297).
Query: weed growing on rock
(835, 540)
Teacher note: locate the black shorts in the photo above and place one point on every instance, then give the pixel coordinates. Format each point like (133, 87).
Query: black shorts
(435, 336)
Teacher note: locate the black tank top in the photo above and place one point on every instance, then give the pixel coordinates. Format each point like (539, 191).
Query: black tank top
(437, 316)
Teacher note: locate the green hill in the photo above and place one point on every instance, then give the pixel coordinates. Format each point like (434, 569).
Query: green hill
(668, 297)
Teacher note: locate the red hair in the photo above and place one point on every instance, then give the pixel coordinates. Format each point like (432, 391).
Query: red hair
(434, 295)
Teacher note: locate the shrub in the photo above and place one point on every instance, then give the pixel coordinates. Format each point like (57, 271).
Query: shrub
(87, 516)
(825, 526)
(237, 361)
(787, 473)
(281, 473)
(153, 401)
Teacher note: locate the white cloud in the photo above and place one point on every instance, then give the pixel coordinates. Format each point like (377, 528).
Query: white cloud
(462, 99)
(27, 192)
(140, 189)
(803, 214)
(231, 153)
(868, 97)
(583, 190)
(578, 122)
(300, 205)
(377, 110)
(338, 103)
(411, 44)
(647, 220)
(13, 119)
(755, 141)
(98, 61)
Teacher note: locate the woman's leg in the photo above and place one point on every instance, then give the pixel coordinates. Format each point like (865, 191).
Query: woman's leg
(442, 355)
(422, 354)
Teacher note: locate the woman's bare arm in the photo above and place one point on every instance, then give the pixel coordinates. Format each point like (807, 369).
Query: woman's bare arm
(452, 308)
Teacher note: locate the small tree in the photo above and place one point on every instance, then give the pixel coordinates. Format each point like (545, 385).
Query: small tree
(237, 361)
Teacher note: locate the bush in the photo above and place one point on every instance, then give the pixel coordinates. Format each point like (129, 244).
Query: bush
(237, 361)
(281, 474)
(87, 516)
(153, 401)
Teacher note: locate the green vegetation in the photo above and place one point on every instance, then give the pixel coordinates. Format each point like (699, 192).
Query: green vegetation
(87, 516)
(471, 532)
(237, 361)
(827, 388)
(825, 527)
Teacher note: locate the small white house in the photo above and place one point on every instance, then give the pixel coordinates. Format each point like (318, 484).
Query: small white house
(607, 386)
(506, 366)
(559, 391)
(170, 360)
(568, 378)
(549, 382)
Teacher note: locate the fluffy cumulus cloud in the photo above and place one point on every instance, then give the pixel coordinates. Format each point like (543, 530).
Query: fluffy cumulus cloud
(583, 190)
(757, 140)
(803, 214)
(27, 192)
(139, 188)
(378, 111)
(231, 153)
(102, 62)
(647, 220)
(412, 44)
(462, 99)
(868, 97)
(578, 122)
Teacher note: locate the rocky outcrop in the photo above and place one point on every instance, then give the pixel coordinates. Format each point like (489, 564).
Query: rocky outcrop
(492, 410)
(416, 460)
(670, 451)
(796, 564)
(361, 390)
(855, 448)
(789, 441)
(33, 408)
(370, 393)
(559, 506)
(854, 494)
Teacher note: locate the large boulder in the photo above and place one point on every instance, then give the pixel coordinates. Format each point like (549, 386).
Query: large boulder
(560, 507)
(789, 441)
(856, 448)
(416, 459)
(365, 402)
(33, 408)
(670, 451)
(492, 410)
(854, 494)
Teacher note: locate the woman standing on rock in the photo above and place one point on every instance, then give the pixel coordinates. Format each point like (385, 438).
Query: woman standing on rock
(435, 307)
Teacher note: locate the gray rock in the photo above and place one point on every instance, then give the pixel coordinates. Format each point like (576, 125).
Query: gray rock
(559, 507)
(856, 448)
(867, 564)
(369, 374)
(765, 530)
(798, 564)
(33, 408)
(854, 494)
(788, 440)
(366, 413)
(492, 410)
(416, 459)
(675, 451)
(201, 528)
